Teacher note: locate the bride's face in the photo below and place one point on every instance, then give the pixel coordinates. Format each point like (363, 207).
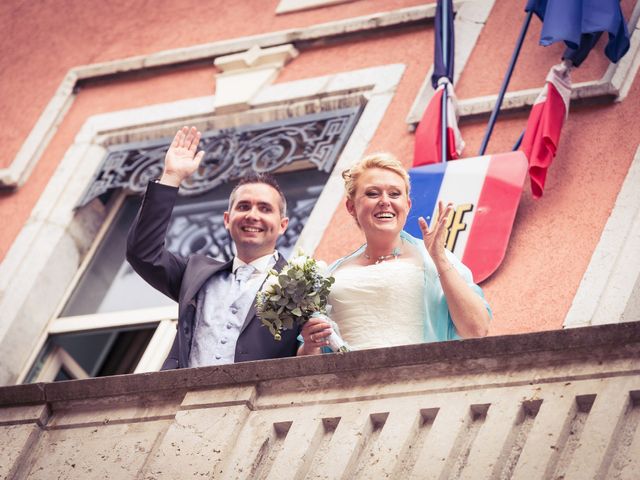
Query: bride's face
(380, 203)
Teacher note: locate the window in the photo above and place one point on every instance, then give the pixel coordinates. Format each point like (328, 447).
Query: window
(112, 322)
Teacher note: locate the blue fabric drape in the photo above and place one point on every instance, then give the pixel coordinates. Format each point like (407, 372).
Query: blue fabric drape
(579, 23)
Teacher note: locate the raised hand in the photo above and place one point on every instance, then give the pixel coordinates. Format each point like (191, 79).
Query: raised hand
(434, 237)
(468, 311)
(181, 159)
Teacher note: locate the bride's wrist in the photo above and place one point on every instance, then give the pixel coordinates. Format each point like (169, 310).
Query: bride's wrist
(307, 349)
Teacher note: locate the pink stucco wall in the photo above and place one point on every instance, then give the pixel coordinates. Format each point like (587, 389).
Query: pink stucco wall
(553, 238)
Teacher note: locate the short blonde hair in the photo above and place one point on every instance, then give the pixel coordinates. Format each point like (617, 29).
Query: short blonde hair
(383, 160)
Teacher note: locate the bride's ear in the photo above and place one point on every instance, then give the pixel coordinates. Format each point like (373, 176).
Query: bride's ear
(351, 208)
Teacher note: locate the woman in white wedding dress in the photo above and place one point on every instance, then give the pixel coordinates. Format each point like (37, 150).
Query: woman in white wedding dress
(396, 289)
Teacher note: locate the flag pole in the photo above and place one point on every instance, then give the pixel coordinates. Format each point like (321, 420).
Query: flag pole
(445, 53)
(516, 146)
(505, 83)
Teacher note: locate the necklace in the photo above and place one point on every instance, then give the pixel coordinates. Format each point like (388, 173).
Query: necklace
(395, 253)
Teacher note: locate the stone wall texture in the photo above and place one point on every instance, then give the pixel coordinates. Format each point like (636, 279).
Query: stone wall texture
(562, 404)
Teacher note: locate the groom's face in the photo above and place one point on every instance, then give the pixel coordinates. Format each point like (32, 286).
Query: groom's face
(254, 220)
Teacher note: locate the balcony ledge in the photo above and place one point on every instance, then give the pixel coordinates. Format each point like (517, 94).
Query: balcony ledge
(507, 352)
(556, 404)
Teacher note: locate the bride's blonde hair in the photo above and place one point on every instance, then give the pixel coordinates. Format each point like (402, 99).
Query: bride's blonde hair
(375, 160)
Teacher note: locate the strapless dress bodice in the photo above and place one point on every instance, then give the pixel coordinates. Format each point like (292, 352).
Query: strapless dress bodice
(379, 305)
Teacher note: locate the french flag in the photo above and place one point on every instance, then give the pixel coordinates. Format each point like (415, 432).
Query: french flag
(485, 192)
(428, 142)
(542, 136)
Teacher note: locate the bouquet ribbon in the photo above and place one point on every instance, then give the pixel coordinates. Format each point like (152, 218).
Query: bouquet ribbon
(336, 343)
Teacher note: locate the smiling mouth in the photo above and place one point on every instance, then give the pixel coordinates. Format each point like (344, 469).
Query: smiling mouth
(252, 229)
(385, 215)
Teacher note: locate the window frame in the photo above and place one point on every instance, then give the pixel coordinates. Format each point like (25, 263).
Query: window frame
(372, 87)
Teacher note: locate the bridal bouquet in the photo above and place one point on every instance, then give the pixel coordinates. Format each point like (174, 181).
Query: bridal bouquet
(294, 295)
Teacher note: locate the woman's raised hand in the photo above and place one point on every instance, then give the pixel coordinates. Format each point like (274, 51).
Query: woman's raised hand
(181, 159)
(468, 311)
(435, 237)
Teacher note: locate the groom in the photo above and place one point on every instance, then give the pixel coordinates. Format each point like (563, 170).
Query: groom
(217, 323)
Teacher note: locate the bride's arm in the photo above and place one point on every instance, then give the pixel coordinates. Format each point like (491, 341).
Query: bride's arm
(468, 311)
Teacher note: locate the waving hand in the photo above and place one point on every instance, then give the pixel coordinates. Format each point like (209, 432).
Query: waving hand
(181, 159)
(434, 237)
(467, 309)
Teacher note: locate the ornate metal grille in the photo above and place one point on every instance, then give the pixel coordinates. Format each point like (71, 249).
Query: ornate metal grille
(231, 153)
(196, 229)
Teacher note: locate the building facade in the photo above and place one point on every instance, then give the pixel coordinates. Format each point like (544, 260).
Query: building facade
(91, 94)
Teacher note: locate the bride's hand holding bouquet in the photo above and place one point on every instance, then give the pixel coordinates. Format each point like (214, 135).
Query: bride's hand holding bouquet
(297, 295)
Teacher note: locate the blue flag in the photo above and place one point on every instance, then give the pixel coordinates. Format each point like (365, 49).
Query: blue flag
(443, 64)
(579, 23)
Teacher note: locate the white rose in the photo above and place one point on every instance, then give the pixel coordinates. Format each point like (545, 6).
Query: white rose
(322, 267)
(298, 262)
(269, 283)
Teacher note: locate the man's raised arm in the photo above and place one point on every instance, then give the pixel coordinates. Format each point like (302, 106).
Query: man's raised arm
(146, 251)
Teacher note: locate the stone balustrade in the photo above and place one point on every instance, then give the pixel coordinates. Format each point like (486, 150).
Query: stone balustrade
(559, 404)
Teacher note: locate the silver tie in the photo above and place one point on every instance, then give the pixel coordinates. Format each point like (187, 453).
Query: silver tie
(243, 273)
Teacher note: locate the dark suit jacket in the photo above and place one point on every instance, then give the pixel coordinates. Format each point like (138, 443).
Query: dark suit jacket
(181, 279)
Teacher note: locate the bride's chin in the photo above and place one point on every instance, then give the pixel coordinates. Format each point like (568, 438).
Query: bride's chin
(378, 229)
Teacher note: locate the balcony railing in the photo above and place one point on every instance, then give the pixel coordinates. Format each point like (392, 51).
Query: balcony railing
(560, 404)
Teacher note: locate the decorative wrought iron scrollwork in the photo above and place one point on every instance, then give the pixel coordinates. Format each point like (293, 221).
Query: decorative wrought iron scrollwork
(199, 233)
(195, 230)
(231, 153)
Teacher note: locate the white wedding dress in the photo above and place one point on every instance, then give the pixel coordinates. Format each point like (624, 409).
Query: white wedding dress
(379, 305)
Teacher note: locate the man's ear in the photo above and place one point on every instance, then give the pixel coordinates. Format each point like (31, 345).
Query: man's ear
(284, 223)
(225, 219)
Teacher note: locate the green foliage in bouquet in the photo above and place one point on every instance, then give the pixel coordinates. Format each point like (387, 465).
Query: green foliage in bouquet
(290, 297)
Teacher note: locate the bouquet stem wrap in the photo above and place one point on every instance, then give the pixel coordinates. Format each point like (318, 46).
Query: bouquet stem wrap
(336, 343)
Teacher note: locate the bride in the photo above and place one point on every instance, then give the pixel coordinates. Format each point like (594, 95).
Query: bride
(396, 289)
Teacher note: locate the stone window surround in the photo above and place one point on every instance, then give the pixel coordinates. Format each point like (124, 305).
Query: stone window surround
(56, 244)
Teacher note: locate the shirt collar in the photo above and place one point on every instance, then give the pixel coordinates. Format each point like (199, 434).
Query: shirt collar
(262, 264)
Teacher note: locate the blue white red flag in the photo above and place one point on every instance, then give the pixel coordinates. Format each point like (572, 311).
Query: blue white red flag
(485, 192)
(547, 116)
(429, 133)
(569, 20)
(428, 142)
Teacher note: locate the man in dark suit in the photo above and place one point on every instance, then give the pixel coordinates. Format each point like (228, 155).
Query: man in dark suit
(216, 315)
